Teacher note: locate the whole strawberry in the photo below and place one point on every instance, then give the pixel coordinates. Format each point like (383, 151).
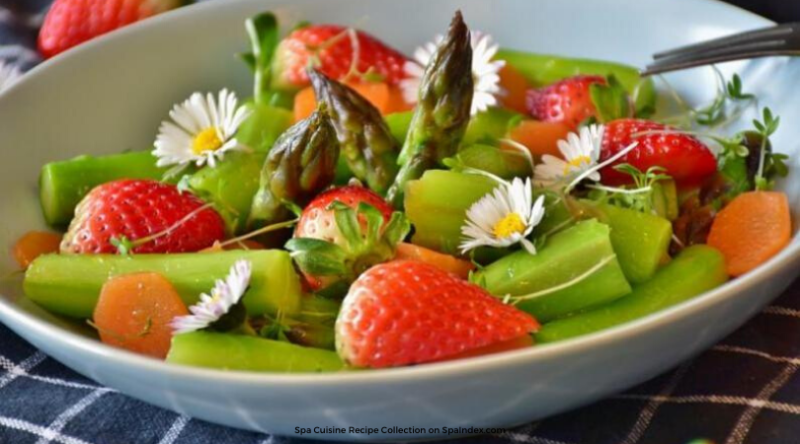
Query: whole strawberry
(407, 312)
(343, 232)
(332, 49)
(568, 101)
(685, 158)
(151, 216)
(72, 22)
(318, 219)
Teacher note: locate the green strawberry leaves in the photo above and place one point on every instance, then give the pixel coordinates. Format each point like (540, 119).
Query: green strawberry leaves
(318, 257)
(610, 100)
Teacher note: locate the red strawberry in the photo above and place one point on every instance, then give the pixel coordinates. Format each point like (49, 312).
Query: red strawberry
(318, 222)
(333, 48)
(331, 258)
(72, 22)
(685, 158)
(408, 312)
(135, 209)
(566, 101)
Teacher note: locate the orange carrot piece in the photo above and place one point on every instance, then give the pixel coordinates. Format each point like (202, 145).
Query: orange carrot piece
(304, 103)
(387, 99)
(134, 312)
(397, 103)
(516, 86)
(751, 229)
(445, 262)
(513, 344)
(34, 244)
(540, 137)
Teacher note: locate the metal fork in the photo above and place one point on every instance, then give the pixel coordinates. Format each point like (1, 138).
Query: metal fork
(782, 40)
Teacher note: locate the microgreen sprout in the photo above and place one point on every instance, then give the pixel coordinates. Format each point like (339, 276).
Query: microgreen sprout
(769, 164)
(728, 104)
(640, 196)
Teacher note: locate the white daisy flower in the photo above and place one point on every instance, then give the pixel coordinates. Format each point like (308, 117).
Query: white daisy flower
(225, 294)
(504, 217)
(581, 153)
(8, 75)
(485, 71)
(202, 130)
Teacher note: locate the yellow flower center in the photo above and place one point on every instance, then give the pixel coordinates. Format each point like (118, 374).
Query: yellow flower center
(207, 140)
(509, 225)
(576, 163)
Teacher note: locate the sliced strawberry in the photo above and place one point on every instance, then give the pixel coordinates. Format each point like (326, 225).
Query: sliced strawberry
(152, 215)
(567, 101)
(685, 158)
(407, 312)
(72, 22)
(332, 49)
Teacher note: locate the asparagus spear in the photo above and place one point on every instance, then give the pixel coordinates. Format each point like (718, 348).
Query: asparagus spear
(301, 164)
(443, 111)
(248, 353)
(366, 141)
(70, 284)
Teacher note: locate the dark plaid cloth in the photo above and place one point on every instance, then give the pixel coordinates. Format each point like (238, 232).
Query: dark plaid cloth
(744, 390)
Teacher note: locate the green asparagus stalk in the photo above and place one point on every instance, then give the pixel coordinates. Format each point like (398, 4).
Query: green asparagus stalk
(695, 270)
(300, 165)
(230, 186)
(443, 111)
(63, 184)
(70, 284)
(249, 353)
(366, 141)
(265, 124)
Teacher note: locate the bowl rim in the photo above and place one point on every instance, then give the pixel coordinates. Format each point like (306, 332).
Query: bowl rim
(788, 257)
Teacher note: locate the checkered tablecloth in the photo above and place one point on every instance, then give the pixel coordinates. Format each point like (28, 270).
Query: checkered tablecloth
(744, 390)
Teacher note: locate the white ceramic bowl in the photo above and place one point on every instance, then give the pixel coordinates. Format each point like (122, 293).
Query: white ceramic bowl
(111, 94)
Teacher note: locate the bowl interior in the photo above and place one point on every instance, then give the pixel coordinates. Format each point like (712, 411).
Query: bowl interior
(111, 95)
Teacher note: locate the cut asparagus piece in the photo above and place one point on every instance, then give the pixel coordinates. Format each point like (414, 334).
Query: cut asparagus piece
(265, 124)
(442, 112)
(365, 139)
(437, 211)
(63, 184)
(249, 353)
(576, 269)
(489, 125)
(640, 240)
(70, 284)
(398, 125)
(230, 186)
(502, 162)
(695, 270)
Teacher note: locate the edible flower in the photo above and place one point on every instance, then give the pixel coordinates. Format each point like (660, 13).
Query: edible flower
(580, 153)
(504, 217)
(202, 130)
(8, 75)
(224, 296)
(485, 71)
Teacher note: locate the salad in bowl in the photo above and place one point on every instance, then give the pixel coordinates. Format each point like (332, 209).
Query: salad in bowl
(365, 209)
